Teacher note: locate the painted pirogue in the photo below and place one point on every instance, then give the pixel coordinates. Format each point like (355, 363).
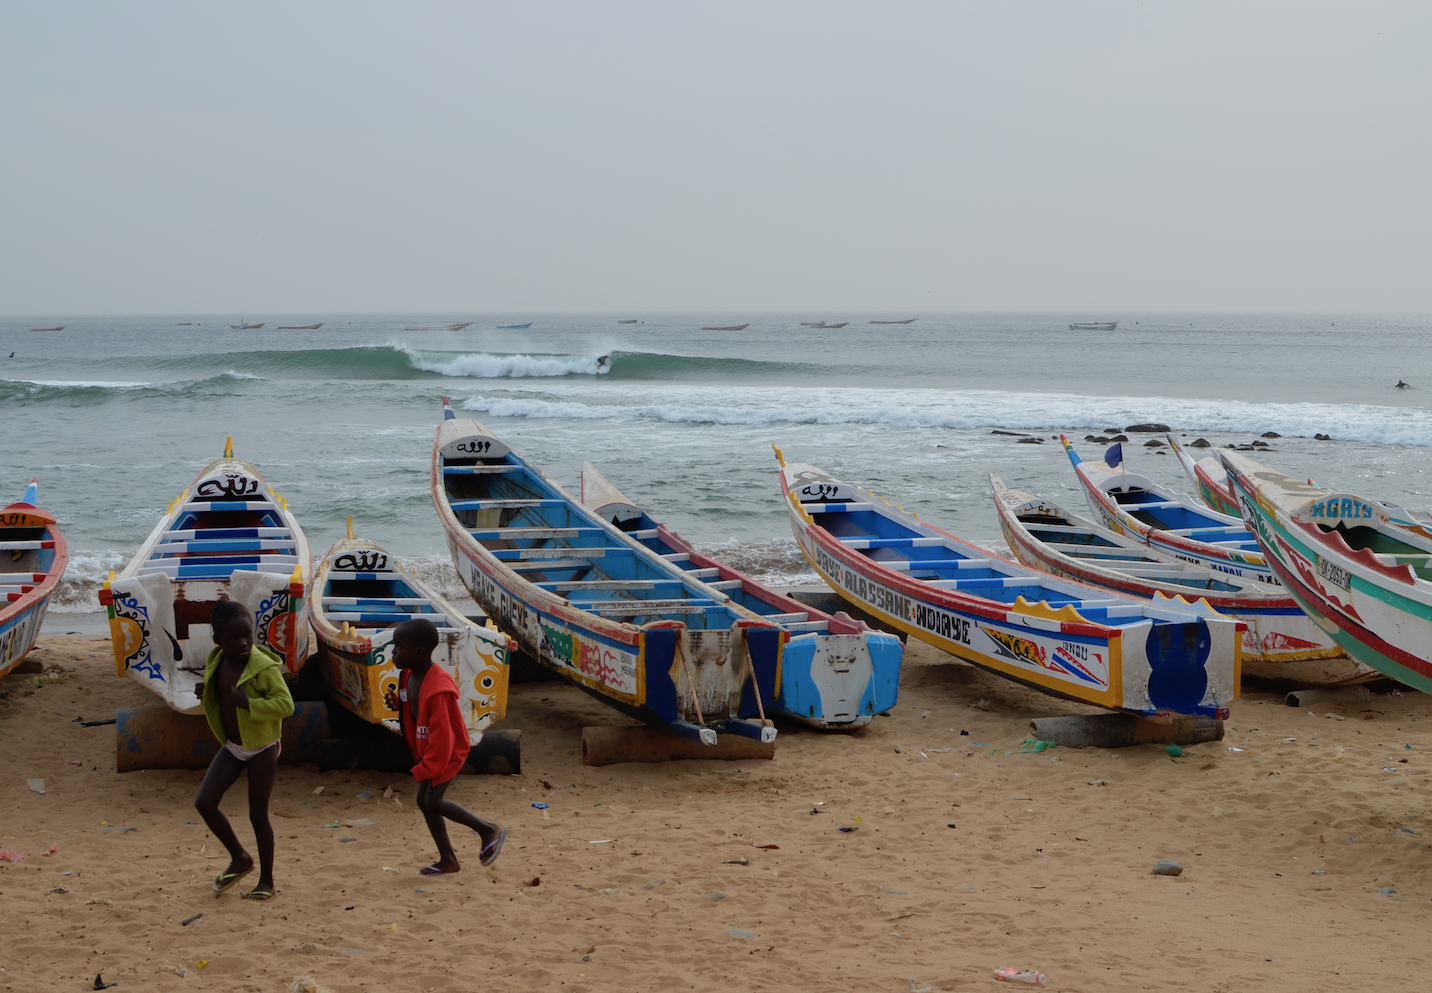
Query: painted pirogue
(1146, 657)
(618, 620)
(31, 566)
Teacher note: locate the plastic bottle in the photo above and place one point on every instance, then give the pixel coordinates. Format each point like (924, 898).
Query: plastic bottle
(1013, 975)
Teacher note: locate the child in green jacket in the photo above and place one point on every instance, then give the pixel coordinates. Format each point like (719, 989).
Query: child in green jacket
(245, 700)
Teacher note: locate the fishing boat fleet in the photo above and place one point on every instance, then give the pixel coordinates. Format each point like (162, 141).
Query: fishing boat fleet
(1153, 603)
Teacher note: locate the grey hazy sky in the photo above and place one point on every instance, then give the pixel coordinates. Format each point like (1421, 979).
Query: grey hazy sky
(319, 157)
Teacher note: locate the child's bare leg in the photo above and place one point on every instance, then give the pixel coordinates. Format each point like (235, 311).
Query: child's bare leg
(263, 769)
(223, 772)
(437, 810)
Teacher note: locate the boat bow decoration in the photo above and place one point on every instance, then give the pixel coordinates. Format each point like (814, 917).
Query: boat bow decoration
(1151, 658)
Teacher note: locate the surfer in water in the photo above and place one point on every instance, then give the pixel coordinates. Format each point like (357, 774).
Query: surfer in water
(1403, 386)
(603, 362)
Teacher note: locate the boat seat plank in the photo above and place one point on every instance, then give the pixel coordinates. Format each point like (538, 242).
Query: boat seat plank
(836, 508)
(206, 533)
(204, 506)
(210, 560)
(357, 617)
(791, 618)
(503, 504)
(807, 627)
(726, 584)
(360, 601)
(223, 545)
(647, 608)
(496, 534)
(891, 542)
(552, 565)
(703, 573)
(478, 470)
(987, 583)
(519, 554)
(609, 584)
(678, 557)
(925, 565)
(643, 533)
(24, 546)
(219, 573)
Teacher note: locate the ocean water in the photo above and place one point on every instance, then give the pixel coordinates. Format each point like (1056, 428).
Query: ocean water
(116, 415)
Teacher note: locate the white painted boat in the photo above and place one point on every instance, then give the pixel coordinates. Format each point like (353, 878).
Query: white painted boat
(363, 594)
(228, 536)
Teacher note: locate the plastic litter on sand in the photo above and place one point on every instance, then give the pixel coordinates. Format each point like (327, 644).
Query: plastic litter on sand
(1012, 975)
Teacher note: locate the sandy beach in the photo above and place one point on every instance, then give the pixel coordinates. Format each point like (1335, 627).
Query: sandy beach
(1306, 856)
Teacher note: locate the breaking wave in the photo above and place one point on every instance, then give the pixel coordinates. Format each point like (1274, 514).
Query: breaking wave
(965, 410)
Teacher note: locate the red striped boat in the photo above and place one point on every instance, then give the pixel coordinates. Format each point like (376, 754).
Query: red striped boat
(35, 560)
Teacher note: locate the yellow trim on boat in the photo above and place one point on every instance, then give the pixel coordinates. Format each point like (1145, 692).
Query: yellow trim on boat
(1042, 609)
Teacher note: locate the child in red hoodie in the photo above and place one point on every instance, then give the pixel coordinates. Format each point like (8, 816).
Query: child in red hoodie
(437, 736)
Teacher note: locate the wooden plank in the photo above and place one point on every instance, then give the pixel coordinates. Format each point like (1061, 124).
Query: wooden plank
(610, 745)
(518, 554)
(1123, 730)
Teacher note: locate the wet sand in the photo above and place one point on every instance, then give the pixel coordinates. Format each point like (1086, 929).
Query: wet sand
(1306, 860)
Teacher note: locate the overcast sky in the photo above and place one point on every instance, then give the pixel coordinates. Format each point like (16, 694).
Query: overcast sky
(169, 158)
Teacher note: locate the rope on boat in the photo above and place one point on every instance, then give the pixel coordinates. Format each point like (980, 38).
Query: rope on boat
(755, 686)
(690, 678)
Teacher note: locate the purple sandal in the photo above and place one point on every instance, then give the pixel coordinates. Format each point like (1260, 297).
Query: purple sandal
(493, 849)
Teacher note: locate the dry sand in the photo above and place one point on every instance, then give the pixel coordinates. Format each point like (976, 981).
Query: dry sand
(965, 860)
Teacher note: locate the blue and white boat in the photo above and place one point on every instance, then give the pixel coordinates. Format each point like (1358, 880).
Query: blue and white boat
(616, 619)
(1162, 657)
(29, 573)
(836, 672)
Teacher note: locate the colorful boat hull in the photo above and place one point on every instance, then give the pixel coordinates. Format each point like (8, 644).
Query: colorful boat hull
(228, 536)
(620, 622)
(1280, 642)
(1132, 504)
(362, 594)
(35, 561)
(1358, 574)
(835, 672)
(1208, 479)
(1148, 658)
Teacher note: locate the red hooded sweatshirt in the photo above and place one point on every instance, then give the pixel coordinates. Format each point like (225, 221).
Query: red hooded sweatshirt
(438, 740)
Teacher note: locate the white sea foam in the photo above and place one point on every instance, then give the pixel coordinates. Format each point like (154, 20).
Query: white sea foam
(481, 365)
(775, 561)
(962, 409)
(78, 592)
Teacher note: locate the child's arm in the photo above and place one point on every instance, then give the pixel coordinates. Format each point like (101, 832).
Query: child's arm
(269, 696)
(438, 751)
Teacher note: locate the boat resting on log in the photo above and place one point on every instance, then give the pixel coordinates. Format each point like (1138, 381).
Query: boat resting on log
(1366, 581)
(29, 573)
(228, 536)
(619, 621)
(1152, 658)
(361, 595)
(1280, 641)
(1133, 504)
(836, 672)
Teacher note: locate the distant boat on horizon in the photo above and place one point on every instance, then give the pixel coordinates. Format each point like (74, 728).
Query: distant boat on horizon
(60, 328)
(633, 321)
(185, 324)
(457, 327)
(300, 327)
(513, 327)
(1095, 326)
(729, 327)
(244, 325)
(812, 324)
(910, 320)
(832, 327)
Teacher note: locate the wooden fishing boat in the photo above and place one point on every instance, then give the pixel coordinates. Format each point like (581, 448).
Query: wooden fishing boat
(619, 621)
(910, 320)
(836, 672)
(630, 320)
(245, 327)
(1094, 326)
(362, 594)
(1145, 657)
(1366, 581)
(30, 570)
(1215, 490)
(60, 328)
(1280, 641)
(468, 324)
(507, 327)
(832, 327)
(301, 327)
(1133, 504)
(1209, 479)
(228, 536)
(804, 324)
(732, 327)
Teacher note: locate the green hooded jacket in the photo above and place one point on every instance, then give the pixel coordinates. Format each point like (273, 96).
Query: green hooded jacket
(261, 723)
